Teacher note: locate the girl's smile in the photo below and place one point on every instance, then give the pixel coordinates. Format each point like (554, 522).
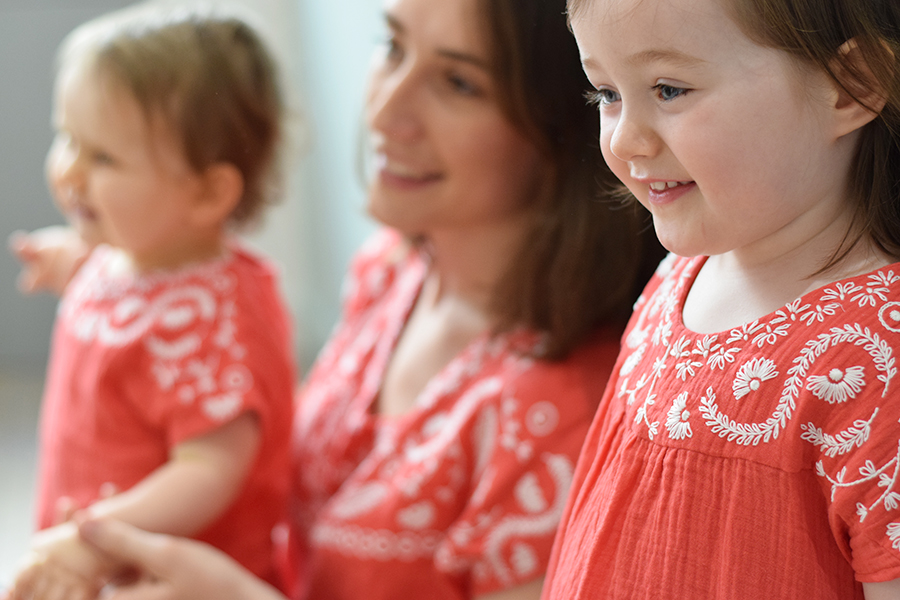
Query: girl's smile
(732, 146)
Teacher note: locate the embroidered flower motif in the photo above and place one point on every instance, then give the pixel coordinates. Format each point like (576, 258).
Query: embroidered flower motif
(770, 336)
(838, 386)
(819, 313)
(870, 295)
(744, 332)
(542, 418)
(840, 291)
(720, 356)
(633, 359)
(862, 511)
(893, 533)
(751, 375)
(677, 419)
(889, 315)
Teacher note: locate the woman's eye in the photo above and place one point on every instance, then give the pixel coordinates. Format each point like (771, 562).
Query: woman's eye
(669, 92)
(601, 97)
(463, 86)
(102, 158)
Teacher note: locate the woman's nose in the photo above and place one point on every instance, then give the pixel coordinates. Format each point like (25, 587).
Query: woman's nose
(632, 136)
(393, 105)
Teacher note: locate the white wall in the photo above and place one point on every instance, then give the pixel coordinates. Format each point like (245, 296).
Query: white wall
(324, 46)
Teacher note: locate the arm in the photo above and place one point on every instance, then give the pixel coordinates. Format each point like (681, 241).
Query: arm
(528, 591)
(885, 590)
(173, 568)
(201, 479)
(49, 257)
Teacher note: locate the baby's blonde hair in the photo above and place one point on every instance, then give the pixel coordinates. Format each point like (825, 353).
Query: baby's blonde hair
(206, 73)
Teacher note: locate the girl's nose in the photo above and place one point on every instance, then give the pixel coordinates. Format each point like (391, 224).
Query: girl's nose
(393, 103)
(65, 166)
(632, 137)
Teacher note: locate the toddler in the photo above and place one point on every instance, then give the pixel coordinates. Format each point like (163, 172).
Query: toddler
(168, 397)
(747, 444)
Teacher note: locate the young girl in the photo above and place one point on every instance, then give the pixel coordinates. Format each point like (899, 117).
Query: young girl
(168, 397)
(747, 445)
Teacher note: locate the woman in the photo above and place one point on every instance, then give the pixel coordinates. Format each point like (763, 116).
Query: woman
(436, 435)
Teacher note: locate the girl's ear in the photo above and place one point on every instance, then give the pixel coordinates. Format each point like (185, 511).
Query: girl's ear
(222, 189)
(860, 97)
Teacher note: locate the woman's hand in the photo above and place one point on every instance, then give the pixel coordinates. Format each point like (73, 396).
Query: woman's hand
(172, 568)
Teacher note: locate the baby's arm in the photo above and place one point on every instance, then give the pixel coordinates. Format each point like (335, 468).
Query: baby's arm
(49, 257)
(886, 590)
(201, 479)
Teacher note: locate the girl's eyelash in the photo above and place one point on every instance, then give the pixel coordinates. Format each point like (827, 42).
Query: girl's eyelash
(668, 92)
(600, 97)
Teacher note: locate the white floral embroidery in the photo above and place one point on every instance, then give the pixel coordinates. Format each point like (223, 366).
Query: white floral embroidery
(744, 332)
(633, 359)
(542, 418)
(893, 533)
(819, 313)
(770, 335)
(889, 315)
(841, 443)
(840, 291)
(416, 516)
(722, 356)
(838, 386)
(751, 375)
(677, 419)
(870, 295)
(529, 494)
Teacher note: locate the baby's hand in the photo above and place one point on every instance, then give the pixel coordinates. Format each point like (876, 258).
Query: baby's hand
(50, 257)
(60, 565)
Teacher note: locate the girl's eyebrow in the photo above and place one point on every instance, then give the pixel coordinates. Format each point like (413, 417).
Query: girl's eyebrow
(457, 55)
(666, 55)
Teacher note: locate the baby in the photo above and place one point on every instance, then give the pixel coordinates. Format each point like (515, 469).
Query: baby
(168, 397)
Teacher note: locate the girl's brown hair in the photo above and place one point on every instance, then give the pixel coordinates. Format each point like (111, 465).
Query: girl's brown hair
(857, 43)
(586, 257)
(207, 74)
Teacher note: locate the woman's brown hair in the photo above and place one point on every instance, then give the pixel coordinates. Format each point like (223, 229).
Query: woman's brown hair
(587, 256)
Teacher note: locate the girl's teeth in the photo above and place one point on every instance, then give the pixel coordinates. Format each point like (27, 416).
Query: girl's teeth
(662, 185)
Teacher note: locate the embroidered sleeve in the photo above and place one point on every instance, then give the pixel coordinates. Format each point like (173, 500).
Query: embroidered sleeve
(524, 446)
(218, 348)
(850, 371)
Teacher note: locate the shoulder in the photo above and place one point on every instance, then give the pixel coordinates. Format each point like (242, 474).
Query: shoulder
(375, 267)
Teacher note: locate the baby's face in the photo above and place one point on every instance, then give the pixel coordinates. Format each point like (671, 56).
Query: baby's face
(729, 144)
(119, 178)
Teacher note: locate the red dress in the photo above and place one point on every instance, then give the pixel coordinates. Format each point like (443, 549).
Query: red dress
(462, 495)
(141, 364)
(760, 462)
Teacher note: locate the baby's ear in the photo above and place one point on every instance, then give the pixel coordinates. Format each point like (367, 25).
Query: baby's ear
(860, 96)
(223, 187)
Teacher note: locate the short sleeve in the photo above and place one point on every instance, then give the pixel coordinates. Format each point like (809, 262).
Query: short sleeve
(524, 447)
(219, 347)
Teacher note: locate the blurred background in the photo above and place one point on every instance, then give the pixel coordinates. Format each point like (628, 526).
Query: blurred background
(324, 48)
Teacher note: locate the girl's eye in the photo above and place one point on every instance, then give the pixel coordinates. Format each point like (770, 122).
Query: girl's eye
(602, 97)
(669, 92)
(394, 51)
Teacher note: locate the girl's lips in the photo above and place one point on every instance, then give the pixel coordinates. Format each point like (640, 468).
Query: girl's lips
(669, 194)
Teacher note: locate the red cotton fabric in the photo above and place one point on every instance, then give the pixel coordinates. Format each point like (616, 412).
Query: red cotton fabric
(760, 462)
(141, 364)
(462, 495)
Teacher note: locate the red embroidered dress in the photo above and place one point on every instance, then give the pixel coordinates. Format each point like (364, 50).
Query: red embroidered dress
(462, 495)
(140, 364)
(760, 462)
